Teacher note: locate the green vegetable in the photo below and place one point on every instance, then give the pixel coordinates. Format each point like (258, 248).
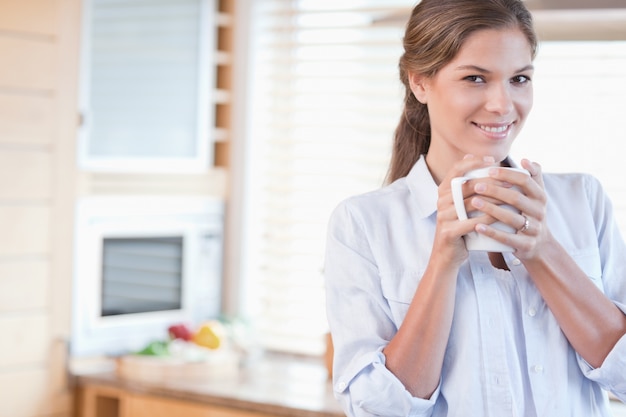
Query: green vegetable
(156, 348)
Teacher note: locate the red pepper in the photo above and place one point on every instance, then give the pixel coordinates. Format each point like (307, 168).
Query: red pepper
(180, 331)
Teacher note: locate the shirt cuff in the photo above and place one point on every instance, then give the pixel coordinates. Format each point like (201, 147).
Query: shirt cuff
(375, 390)
(610, 375)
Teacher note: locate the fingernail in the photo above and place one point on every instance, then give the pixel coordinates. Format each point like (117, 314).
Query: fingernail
(488, 159)
(468, 156)
(481, 228)
(480, 187)
(478, 203)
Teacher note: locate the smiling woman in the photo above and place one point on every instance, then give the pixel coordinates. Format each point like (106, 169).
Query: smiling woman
(326, 100)
(413, 308)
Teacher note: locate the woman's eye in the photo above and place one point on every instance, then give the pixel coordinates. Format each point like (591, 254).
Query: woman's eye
(521, 79)
(475, 79)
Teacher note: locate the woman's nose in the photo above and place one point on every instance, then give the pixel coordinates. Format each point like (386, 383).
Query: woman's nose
(499, 99)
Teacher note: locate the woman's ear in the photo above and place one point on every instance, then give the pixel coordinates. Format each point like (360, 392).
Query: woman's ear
(418, 86)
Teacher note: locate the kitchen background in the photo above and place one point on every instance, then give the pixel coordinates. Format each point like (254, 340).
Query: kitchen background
(281, 109)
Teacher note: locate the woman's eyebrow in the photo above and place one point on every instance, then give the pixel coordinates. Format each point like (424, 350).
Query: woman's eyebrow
(476, 68)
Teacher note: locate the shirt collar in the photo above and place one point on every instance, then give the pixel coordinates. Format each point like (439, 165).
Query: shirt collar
(423, 188)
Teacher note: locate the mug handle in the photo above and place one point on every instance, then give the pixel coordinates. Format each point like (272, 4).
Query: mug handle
(457, 196)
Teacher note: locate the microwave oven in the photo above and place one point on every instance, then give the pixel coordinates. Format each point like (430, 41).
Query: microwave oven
(140, 265)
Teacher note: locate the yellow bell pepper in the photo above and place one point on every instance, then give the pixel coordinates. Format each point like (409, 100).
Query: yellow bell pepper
(207, 337)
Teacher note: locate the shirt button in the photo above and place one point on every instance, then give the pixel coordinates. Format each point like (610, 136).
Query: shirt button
(537, 369)
(516, 262)
(532, 312)
(341, 386)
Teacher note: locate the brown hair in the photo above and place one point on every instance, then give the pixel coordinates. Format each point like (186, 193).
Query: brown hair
(434, 35)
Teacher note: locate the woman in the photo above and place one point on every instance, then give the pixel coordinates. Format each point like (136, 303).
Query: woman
(421, 326)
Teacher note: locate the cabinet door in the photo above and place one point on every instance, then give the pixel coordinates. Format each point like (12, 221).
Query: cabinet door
(146, 406)
(147, 77)
(140, 406)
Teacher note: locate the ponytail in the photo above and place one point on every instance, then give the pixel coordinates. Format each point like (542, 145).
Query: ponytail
(411, 138)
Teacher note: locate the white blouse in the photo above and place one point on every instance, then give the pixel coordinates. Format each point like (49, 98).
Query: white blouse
(506, 354)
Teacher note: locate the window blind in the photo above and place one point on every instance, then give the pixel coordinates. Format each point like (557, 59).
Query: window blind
(580, 90)
(325, 101)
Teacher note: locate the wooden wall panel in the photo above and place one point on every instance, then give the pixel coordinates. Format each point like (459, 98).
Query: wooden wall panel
(24, 284)
(26, 119)
(25, 230)
(28, 393)
(29, 16)
(20, 392)
(25, 175)
(26, 340)
(39, 50)
(27, 64)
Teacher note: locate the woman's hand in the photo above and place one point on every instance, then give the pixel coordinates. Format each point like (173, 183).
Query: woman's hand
(449, 232)
(530, 199)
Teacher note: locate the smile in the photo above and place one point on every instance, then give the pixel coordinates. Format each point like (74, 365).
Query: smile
(494, 129)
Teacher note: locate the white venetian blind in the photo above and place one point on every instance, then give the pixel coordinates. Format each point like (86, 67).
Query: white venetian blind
(325, 102)
(575, 124)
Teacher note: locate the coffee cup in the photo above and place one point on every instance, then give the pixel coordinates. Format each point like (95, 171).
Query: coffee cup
(473, 240)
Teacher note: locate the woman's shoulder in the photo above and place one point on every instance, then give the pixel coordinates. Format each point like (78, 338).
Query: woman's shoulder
(383, 195)
(376, 201)
(570, 179)
(572, 184)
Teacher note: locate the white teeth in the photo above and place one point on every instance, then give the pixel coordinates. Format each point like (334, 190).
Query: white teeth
(491, 129)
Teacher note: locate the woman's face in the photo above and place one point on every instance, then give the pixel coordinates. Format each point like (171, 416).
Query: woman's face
(479, 101)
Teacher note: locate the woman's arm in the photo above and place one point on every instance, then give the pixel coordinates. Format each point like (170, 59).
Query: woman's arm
(589, 319)
(591, 322)
(415, 354)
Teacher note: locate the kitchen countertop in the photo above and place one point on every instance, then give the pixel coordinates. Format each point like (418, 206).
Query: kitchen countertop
(277, 385)
(273, 384)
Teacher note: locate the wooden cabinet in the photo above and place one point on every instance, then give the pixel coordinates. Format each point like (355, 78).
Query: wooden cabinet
(144, 406)
(100, 401)
(267, 386)
(104, 401)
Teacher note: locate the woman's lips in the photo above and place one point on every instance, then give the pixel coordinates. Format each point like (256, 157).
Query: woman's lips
(495, 129)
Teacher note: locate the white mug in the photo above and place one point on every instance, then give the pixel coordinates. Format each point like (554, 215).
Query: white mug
(473, 240)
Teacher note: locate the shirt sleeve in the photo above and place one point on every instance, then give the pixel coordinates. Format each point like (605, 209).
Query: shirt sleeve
(361, 326)
(611, 375)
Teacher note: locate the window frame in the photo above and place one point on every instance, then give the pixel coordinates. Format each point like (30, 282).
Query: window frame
(200, 161)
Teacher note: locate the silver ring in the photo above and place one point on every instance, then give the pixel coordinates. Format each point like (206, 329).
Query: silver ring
(526, 225)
